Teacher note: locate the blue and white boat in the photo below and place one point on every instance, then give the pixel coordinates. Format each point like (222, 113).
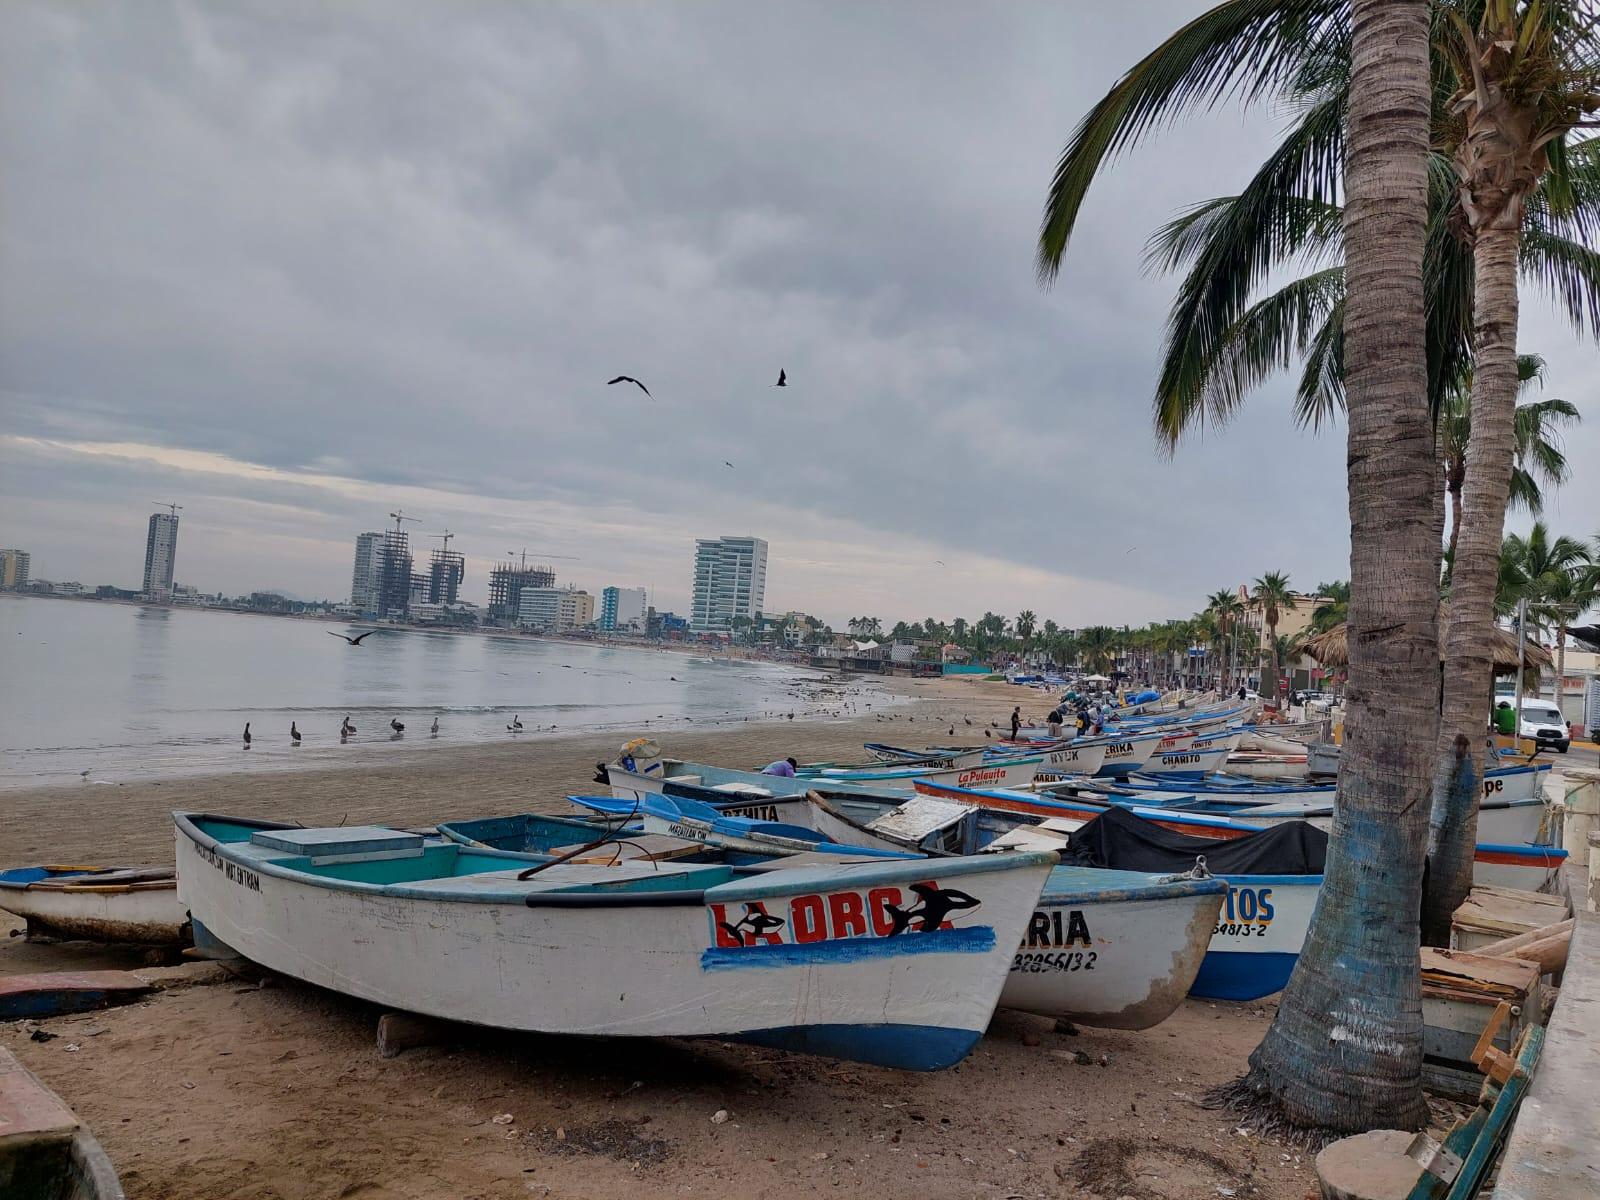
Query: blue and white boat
(886, 961)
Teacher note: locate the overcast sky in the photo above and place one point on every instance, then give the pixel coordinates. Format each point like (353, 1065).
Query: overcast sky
(292, 266)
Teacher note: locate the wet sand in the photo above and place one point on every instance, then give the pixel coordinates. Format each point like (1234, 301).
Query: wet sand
(277, 1093)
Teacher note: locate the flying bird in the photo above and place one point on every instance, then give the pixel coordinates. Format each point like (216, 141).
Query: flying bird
(632, 380)
(783, 378)
(354, 641)
(726, 463)
(940, 561)
(1129, 550)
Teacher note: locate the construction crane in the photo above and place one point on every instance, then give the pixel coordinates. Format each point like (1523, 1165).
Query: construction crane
(445, 537)
(537, 555)
(399, 515)
(176, 508)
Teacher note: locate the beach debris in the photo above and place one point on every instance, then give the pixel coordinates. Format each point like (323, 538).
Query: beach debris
(1064, 1026)
(504, 1119)
(42, 1035)
(720, 1117)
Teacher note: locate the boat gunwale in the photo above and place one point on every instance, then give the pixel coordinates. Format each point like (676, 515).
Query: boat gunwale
(799, 881)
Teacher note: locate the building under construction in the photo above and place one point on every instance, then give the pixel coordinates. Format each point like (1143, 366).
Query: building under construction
(505, 588)
(394, 574)
(446, 570)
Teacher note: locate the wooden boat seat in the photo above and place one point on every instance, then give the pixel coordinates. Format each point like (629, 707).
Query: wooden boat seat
(633, 875)
(339, 845)
(30, 1113)
(920, 818)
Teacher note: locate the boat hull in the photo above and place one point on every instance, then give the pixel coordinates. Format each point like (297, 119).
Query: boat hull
(830, 981)
(1113, 956)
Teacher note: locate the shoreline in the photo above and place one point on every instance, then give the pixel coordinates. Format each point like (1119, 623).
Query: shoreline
(418, 785)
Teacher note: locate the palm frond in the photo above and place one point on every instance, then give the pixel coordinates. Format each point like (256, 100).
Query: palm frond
(1268, 337)
(1569, 272)
(1319, 397)
(1249, 49)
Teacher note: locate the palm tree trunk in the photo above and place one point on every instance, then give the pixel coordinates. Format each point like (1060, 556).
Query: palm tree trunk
(1468, 651)
(1345, 1050)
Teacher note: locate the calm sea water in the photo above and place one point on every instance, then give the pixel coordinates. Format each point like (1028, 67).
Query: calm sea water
(126, 692)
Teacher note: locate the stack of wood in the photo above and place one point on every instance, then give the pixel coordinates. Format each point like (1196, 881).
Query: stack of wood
(1505, 942)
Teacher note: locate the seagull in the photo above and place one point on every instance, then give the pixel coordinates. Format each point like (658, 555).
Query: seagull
(294, 734)
(354, 641)
(395, 725)
(435, 729)
(516, 725)
(783, 378)
(247, 735)
(632, 380)
(940, 561)
(1129, 550)
(726, 463)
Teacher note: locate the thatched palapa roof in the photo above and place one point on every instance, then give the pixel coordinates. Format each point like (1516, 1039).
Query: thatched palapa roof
(1332, 649)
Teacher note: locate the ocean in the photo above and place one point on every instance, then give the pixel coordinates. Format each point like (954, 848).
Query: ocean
(127, 691)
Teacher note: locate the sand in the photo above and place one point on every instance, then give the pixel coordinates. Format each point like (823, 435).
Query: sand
(277, 1093)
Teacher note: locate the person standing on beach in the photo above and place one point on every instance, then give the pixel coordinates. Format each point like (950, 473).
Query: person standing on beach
(784, 767)
(1016, 722)
(1055, 720)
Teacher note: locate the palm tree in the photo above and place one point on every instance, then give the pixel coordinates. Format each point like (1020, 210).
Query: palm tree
(1334, 608)
(1359, 966)
(1096, 647)
(1227, 608)
(1273, 593)
(1537, 458)
(1025, 625)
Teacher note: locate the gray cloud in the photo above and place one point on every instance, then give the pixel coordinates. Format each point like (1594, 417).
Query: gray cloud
(404, 246)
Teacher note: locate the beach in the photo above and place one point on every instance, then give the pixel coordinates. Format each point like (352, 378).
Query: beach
(268, 1089)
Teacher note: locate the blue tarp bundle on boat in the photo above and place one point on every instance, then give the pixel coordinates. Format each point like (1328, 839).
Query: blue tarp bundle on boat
(1126, 842)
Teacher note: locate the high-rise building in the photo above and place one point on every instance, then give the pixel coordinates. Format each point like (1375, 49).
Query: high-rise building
(622, 608)
(13, 570)
(368, 573)
(160, 555)
(554, 609)
(730, 580)
(445, 573)
(394, 573)
(505, 589)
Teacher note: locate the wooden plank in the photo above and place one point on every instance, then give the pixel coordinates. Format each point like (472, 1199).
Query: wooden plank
(53, 993)
(1459, 971)
(29, 1111)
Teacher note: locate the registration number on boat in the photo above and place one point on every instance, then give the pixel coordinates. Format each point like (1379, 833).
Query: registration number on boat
(1034, 963)
(1247, 912)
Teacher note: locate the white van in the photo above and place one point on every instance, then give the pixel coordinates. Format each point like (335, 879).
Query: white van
(1543, 723)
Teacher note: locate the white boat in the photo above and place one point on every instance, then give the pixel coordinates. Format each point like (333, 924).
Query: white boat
(1187, 762)
(898, 963)
(1259, 764)
(1114, 949)
(644, 778)
(1076, 758)
(1284, 737)
(101, 904)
